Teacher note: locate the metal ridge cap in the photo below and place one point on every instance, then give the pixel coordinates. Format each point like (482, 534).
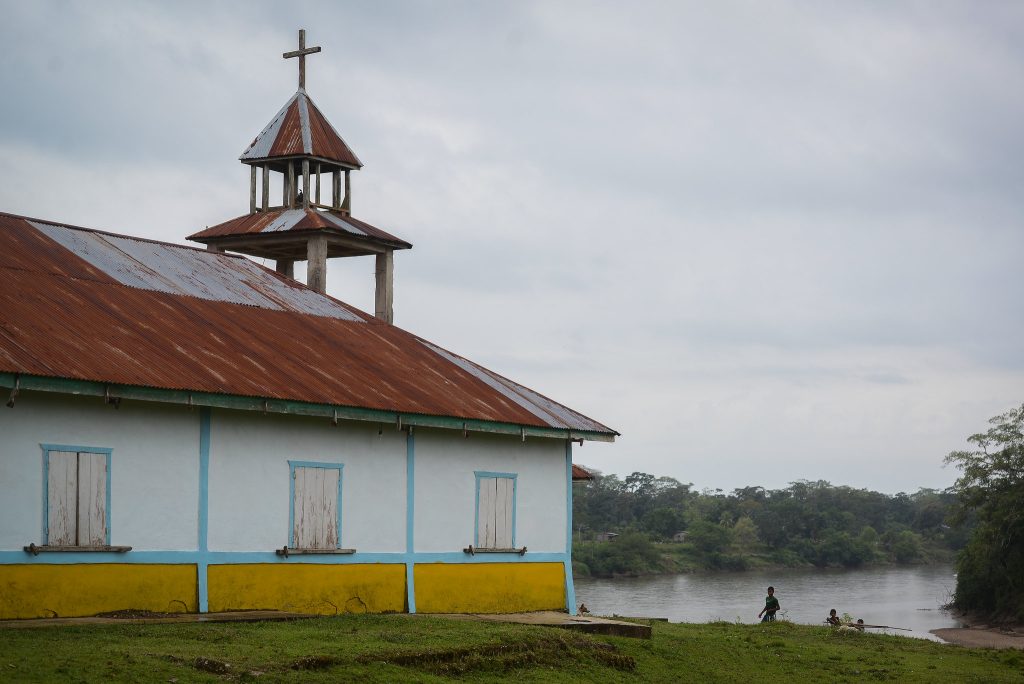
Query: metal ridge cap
(111, 391)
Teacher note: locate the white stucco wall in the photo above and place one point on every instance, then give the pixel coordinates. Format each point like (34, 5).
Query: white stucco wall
(155, 477)
(249, 479)
(446, 488)
(154, 472)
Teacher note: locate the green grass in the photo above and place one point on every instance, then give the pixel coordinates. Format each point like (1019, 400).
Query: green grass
(387, 648)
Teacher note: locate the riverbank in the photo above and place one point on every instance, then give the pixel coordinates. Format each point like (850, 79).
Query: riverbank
(385, 648)
(980, 633)
(981, 637)
(638, 557)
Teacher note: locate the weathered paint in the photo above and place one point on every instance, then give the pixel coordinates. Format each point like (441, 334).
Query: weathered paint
(495, 510)
(305, 588)
(34, 591)
(315, 511)
(489, 587)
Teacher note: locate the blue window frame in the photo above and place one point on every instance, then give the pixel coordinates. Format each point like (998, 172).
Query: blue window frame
(76, 495)
(495, 518)
(314, 511)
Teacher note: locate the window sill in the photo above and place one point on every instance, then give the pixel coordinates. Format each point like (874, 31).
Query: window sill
(36, 550)
(288, 551)
(472, 551)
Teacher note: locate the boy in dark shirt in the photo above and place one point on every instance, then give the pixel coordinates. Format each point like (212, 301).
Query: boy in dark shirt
(771, 606)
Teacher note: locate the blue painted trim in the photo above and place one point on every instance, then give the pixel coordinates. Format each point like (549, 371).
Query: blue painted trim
(46, 493)
(72, 447)
(410, 519)
(292, 465)
(204, 478)
(481, 474)
(47, 448)
(205, 420)
(269, 557)
(110, 455)
(487, 473)
(570, 587)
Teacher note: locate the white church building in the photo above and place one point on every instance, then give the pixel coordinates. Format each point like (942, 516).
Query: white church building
(186, 430)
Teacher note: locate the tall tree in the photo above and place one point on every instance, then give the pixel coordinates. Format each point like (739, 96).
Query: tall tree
(990, 570)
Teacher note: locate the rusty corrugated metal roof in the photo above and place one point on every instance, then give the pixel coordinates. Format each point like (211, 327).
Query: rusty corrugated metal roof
(281, 220)
(300, 129)
(88, 305)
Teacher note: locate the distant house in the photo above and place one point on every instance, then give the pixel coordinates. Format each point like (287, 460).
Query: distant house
(190, 431)
(679, 537)
(605, 536)
(581, 474)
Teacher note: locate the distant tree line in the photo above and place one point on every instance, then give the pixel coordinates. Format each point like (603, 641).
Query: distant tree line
(806, 523)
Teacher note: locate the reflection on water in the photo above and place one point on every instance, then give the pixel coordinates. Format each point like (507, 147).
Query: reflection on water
(906, 596)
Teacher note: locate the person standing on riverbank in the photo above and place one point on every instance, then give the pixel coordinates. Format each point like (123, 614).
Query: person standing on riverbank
(771, 606)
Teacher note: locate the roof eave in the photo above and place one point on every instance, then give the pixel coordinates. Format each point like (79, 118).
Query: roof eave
(114, 392)
(286, 157)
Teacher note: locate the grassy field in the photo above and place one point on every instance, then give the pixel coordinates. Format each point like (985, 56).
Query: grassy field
(389, 648)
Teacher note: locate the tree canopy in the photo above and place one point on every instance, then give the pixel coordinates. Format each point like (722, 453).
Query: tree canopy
(990, 569)
(806, 523)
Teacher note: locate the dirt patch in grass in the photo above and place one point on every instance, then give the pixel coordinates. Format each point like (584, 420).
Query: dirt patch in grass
(315, 662)
(558, 651)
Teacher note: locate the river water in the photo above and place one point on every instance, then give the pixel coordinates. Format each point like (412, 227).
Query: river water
(901, 596)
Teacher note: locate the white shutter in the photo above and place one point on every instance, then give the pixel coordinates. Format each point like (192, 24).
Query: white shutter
(92, 499)
(315, 512)
(62, 498)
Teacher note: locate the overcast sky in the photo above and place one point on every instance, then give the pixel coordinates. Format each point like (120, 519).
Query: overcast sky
(765, 241)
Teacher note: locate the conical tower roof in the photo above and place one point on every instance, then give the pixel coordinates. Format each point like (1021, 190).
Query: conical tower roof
(300, 129)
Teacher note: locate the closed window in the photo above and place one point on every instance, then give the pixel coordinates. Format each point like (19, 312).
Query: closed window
(77, 496)
(495, 510)
(316, 506)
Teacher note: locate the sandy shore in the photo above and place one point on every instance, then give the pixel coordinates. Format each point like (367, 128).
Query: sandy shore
(982, 637)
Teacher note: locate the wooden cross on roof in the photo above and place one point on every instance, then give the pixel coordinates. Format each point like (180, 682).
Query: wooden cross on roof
(301, 54)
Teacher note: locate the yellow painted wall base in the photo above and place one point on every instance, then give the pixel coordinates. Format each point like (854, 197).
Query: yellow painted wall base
(307, 588)
(34, 591)
(489, 587)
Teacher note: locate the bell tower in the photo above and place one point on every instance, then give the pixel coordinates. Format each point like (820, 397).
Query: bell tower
(314, 221)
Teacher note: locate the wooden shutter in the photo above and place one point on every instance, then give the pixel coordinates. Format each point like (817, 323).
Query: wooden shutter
(503, 513)
(62, 498)
(76, 499)
(92, 499)
(494, 514)
(315, 508)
